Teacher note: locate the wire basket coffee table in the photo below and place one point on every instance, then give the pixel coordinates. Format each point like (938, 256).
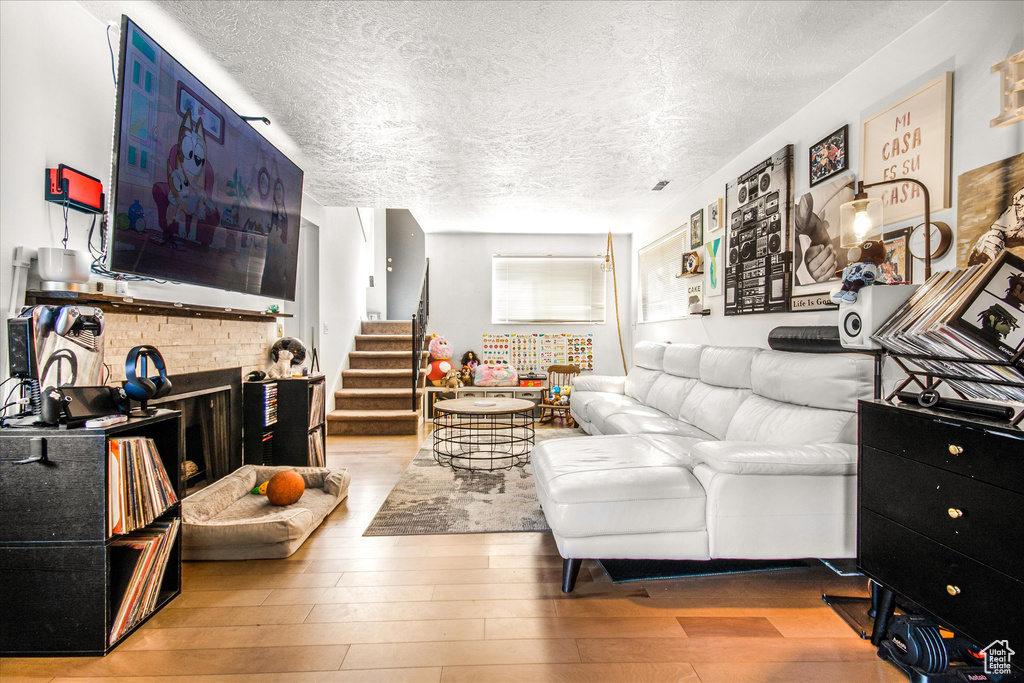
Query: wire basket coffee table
(483, 434)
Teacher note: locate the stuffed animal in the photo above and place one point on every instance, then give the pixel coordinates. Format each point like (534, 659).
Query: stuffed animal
(452, 380)
(440, 349)
(862, 271)
(466, 375)
(440, 360)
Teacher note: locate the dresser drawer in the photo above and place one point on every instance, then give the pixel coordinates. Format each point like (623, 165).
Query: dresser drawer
(977, 519)
(987, 604)
(988, 455)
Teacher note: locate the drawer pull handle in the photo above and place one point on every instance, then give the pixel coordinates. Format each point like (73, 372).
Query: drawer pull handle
(955, 450)
(953, 590)
(954, 513)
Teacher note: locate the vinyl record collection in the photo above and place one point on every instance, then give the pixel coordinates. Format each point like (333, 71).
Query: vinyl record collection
(140, 490)
(972, 314)
(316, 449)
(148, 552)
(317, 392)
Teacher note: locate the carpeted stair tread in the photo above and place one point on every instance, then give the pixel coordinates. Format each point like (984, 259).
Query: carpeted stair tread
(384, 337)
(386, 327)
(352, 415)
(371, 393)
(377, 372)
(383, 354)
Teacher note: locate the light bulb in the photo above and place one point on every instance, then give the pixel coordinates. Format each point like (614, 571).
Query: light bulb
(861, 223)
(606, 266)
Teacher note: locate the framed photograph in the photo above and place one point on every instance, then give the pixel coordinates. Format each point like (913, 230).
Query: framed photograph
(697, 229)
(910, 139)
(818, 258)
(897, 268)
(990, 212)
(715, 215)
(828, 156)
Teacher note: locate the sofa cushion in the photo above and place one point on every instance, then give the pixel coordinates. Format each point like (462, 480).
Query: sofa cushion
(727, 366)
(747, 457)
(649, 355)
(683, 360)
(624, 423)
(639, 382)
(831, 381)
(668, 392)
(605, 485)
(772, 422)
(581, 401)
(711, 408)
(599, 412)
(610, 384)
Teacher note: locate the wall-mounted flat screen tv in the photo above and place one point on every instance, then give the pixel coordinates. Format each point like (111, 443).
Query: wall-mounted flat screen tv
(199, 195)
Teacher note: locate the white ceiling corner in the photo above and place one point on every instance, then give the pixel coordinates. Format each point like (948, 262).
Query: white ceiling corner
(529, 116)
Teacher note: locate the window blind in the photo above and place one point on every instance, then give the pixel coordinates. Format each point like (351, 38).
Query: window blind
(547, 289)
(662, 295)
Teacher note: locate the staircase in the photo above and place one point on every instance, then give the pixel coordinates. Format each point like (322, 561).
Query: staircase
(375, 395)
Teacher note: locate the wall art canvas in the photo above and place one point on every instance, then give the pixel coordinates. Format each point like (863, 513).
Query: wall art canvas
(817, 256)
(694, 296)
(758, 208)
(896, 269)
(713, 266)
(714, 216)
(828, 156)
(697, 229)
(990, 211)
(910, 139)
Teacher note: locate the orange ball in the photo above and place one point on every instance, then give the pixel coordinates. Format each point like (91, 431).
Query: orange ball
(286, 487)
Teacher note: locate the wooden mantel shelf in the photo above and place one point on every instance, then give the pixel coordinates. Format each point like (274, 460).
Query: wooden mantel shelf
(122, 304)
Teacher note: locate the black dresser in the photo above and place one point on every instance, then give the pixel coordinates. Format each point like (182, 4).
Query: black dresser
(941, 518)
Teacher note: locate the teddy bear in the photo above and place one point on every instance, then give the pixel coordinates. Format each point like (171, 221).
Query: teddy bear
(865, 259)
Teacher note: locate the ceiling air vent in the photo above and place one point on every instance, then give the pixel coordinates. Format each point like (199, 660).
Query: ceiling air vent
(660, 186)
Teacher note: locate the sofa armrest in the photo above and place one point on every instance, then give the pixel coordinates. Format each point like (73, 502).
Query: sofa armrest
(751, 457)
(611, 384)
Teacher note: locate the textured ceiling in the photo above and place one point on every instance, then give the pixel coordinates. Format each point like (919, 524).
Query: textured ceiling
(529, 116)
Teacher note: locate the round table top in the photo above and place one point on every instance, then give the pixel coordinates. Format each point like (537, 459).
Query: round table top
(468, 406)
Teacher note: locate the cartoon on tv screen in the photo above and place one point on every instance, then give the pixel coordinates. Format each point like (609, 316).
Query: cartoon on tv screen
(201, 197)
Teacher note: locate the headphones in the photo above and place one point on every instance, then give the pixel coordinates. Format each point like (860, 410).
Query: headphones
(145, 388)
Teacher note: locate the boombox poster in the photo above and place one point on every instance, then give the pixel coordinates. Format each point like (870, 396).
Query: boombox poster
(758, 206)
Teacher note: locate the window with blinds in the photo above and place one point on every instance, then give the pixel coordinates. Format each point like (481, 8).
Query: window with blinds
(662, 295)
(547, 289)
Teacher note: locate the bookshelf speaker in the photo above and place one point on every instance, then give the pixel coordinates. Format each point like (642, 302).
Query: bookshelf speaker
(860, 319)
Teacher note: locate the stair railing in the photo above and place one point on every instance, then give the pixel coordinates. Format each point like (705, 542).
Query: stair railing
(419, 330)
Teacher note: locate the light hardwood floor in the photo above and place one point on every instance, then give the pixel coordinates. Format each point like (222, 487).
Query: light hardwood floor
(477, 607)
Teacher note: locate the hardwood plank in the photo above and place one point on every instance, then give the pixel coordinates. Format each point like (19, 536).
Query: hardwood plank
(258, 581)
(805, 672)
(456, 609)
(533, 561)
(584, 627)
(728, 627)
(696, 605)
(481, 652)
(122, 662)
(397, 564)
(289, 635)
(241, 568)
(235, 616)
(544, 539)
(419, 675)
(530, 591)
(241, 598)
(570, 673)
(310, 596)
(450, 576)
(724, 649)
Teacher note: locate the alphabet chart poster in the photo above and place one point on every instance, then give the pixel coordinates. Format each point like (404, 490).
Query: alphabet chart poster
(535, 352)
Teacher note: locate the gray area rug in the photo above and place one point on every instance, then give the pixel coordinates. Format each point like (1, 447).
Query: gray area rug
(431, 499)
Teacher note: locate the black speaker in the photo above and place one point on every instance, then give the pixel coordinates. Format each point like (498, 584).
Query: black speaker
(21, 347)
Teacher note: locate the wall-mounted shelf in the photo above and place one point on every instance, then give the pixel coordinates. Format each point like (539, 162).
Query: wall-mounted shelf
(122, 304)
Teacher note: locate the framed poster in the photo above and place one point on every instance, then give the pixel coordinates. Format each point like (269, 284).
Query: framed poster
(910, 139)
(758, 208)
(818, 259)
(713, 265)
(990, 212)
(897, 268)
(697, 229)
(828, 156)
(714, 215)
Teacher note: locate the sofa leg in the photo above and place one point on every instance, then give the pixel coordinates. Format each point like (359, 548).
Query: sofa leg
(570, 570)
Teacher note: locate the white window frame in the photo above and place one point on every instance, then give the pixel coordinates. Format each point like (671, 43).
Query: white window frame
(662, 296)
(548, 290)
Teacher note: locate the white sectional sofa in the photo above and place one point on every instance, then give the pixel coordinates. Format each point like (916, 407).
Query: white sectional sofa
(705, 452)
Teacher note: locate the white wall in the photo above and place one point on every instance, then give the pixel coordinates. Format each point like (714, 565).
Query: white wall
(460, 289)
(343, 274)
(964, 37)
(57, 106)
